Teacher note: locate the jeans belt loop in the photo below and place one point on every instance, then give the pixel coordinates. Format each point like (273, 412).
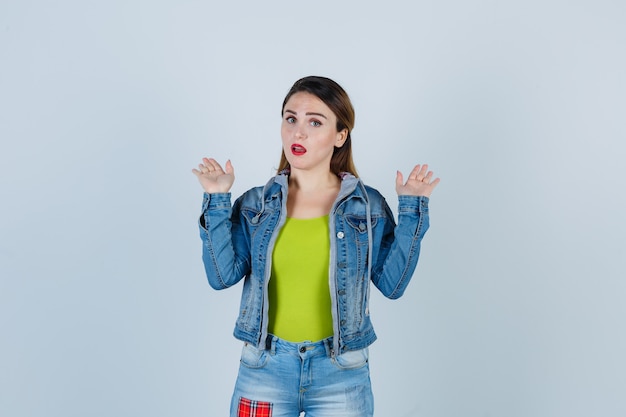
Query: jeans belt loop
(270, 344)
(328, 344)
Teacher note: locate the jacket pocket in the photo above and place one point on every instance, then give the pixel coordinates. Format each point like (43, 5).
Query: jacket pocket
(359, 224)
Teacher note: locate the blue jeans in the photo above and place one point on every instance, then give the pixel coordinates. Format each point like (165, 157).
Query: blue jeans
(290, 378)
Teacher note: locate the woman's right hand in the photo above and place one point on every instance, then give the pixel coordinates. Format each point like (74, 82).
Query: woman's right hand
(213, 178)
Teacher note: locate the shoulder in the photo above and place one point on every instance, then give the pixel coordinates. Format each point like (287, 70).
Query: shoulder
(356, 187)
(255, 195)
(374, 197)
(370, 197)
(250, 195)
(373, 193)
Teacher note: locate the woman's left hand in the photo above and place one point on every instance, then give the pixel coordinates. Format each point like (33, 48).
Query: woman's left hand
(419, 183)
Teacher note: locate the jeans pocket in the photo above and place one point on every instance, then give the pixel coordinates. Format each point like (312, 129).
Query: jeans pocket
(352, 359)
(252, 357)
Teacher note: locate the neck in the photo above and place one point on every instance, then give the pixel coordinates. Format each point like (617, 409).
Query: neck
(311, 181)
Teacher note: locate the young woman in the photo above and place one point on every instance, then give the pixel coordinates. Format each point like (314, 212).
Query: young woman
(307, 245)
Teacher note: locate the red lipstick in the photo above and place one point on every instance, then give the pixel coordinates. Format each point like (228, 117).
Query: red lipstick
(297, 149)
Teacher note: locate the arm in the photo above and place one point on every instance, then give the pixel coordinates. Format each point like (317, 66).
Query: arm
(396, 260)
(225, 245)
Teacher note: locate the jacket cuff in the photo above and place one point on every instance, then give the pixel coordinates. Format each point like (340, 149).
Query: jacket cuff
(215, 201)
(408, 204)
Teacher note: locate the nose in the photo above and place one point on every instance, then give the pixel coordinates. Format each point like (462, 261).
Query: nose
(299, 132)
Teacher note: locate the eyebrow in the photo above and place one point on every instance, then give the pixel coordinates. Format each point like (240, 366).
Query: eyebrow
(307, 114)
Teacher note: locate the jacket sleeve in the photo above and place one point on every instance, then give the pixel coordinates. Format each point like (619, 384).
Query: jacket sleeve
(225, 244)
(395, 257)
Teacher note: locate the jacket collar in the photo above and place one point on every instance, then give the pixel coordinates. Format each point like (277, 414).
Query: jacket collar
(349, 185)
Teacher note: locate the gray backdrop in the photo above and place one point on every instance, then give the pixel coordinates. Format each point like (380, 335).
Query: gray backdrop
(517, 305)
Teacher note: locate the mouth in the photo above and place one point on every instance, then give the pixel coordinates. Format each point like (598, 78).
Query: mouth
(298, 149)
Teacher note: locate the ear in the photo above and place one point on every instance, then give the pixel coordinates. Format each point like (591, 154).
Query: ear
(341, 138)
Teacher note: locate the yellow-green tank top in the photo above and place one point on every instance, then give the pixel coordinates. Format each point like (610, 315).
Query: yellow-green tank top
(299, 292)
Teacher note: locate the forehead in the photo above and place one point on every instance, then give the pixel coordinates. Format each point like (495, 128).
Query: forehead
(304, 102)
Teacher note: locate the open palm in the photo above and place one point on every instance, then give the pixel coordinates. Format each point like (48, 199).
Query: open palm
(419, 183)
(213, 178)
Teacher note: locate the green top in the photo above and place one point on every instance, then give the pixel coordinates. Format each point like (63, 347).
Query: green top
(299, 292)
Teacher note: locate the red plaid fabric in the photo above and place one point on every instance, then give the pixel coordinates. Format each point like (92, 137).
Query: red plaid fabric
(249, 408)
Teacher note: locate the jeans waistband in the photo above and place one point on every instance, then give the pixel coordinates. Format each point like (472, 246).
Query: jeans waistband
(274, 343)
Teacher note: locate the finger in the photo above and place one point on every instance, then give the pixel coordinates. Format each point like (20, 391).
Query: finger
(214, 165)
(399, 179)
(207, 168)
(435, 182)
(229, 168)
(423, 171)
(208, 164)
(415, 172)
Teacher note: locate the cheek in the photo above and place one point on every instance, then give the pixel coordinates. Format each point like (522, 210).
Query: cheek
(285, 141)
(286, 129)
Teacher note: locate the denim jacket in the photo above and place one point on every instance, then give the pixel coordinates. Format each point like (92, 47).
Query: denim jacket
(366, 245)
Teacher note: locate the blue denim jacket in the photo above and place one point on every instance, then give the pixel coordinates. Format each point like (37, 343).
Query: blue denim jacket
(366, 245)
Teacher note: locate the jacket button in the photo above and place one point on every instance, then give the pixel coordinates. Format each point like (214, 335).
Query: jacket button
(362, 227)
(343, 322)
(341, 292)
(341, 265)
(339, 211)
(340, 235)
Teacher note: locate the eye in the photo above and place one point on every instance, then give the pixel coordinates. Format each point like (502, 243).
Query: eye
(316, 123)
(290, 119)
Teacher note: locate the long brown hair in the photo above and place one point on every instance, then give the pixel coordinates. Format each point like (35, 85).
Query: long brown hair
(338, 101)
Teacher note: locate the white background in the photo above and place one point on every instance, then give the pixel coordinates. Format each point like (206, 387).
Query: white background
(517, 306)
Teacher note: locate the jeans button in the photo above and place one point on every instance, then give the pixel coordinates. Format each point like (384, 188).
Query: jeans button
(302, 349)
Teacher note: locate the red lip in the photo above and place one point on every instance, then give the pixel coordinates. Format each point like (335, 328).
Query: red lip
(298, 149)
